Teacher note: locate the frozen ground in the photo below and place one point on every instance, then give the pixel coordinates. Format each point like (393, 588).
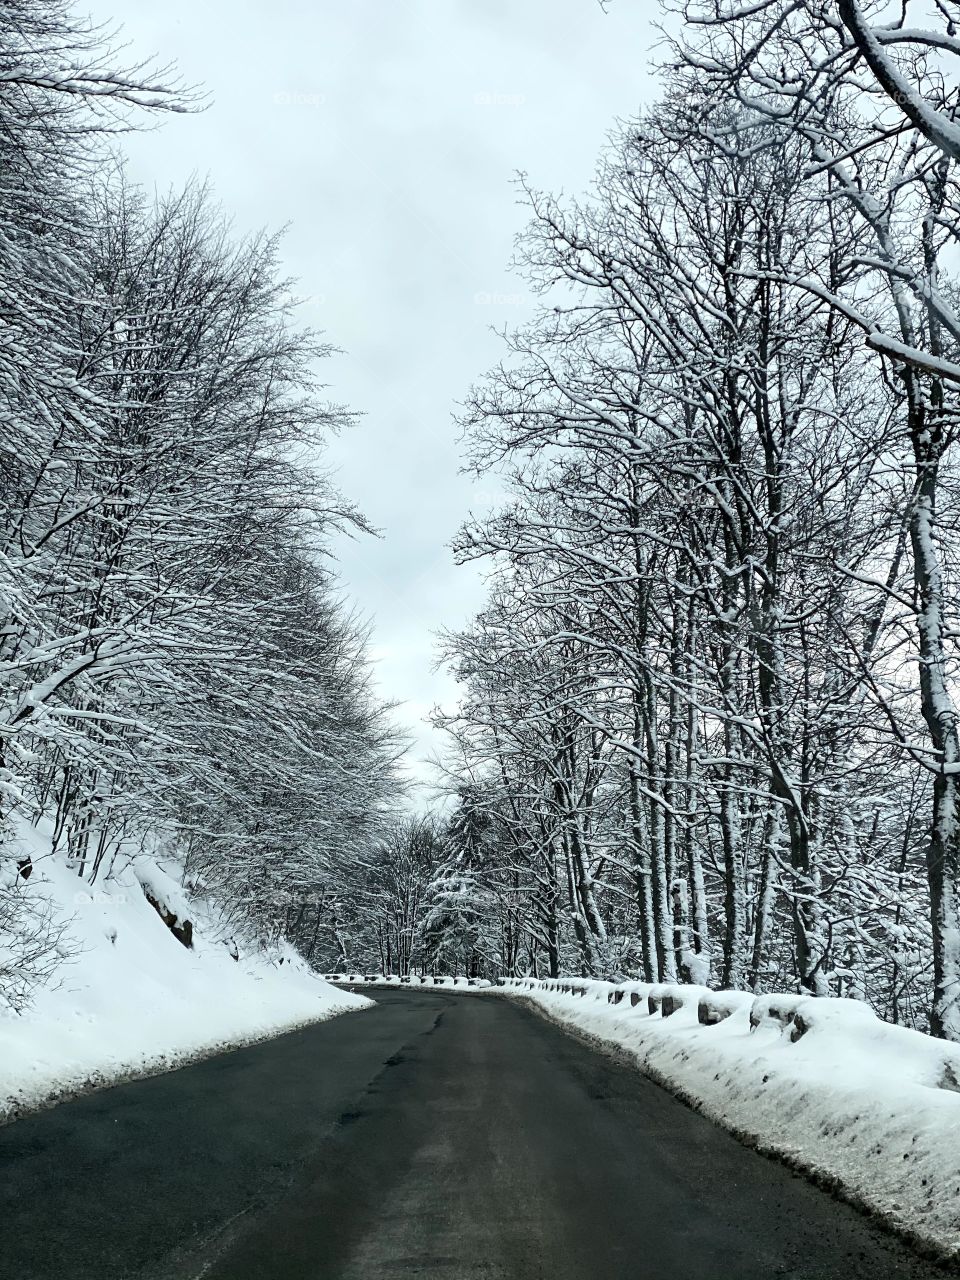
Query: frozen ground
(873, 1110)
(133, 1000)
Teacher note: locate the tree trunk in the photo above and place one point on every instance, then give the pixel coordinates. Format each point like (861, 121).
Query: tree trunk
(939, 712)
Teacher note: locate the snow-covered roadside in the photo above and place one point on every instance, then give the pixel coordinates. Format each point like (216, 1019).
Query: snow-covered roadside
(870, 1109)
(133, 1000)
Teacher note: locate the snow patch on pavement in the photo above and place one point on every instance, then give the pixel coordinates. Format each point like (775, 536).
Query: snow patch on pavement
(870, 1108)
(131, 999)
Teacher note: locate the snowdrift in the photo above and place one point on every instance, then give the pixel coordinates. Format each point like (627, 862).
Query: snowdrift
(872, 1110)
(133, 998)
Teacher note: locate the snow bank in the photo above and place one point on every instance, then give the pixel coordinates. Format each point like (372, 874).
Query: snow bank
(133, 1000)
(871, 1109)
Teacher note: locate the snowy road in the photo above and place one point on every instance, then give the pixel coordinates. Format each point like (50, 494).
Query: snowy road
(439, 1135)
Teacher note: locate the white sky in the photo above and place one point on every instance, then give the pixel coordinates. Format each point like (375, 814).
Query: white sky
(386, 135)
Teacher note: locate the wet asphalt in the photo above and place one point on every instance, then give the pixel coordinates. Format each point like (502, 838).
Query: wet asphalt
(440, 1135)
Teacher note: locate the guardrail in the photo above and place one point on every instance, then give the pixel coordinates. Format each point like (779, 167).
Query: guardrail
(792, 1014)
(356, 979)
(712, 1007)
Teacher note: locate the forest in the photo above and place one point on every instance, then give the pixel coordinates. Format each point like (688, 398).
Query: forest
(707, 729)
(709, 726)
(180, 672)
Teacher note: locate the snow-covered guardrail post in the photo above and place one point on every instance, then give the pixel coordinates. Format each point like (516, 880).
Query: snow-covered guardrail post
(677, 997)
(670, 1003)
(717, 1006)
(779, 1008)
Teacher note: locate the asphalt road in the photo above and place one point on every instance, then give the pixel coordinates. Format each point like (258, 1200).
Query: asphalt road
(437, 1135)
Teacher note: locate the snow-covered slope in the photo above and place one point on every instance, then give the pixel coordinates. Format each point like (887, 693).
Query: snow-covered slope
(871, 1109)
(134, 1000)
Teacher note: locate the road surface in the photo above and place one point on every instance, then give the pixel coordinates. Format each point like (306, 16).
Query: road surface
(437, 1135)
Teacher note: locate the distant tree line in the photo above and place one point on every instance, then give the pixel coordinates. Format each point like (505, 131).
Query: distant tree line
(709, 728)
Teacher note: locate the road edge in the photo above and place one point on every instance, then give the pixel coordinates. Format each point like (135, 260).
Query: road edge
(158, 1065)
(926, 1248)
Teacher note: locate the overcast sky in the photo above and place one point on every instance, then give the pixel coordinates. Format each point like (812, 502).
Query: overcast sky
(386, 135)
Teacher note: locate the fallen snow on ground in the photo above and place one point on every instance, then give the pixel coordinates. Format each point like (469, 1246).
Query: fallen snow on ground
(872, 1109)
(133, 1000)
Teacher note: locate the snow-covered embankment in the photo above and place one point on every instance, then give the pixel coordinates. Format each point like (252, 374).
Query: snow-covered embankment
(132, 999)
(871, 1109)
